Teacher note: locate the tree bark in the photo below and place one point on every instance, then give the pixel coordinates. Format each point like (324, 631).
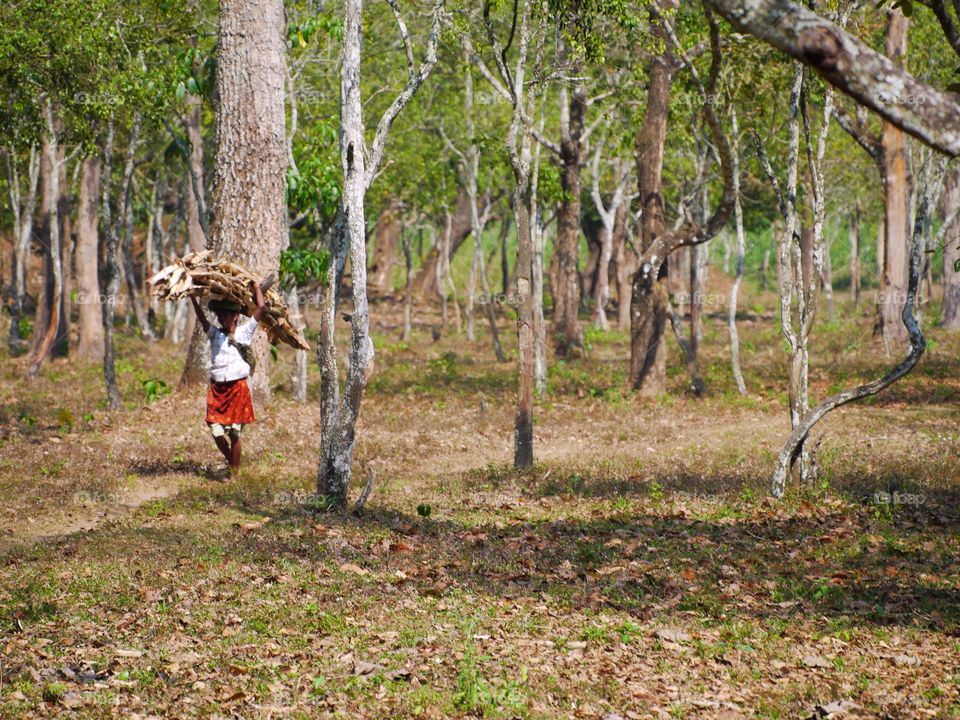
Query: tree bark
(568, 336)
(134, 294)
(248, 207)
(740, 244)
(339, 423)
(111, 278)
(86, 259)
(855, 256)
(896, 190)
(50, 326)
(623, 268)
(23, 209)
(650, 296)
(950, 312)
(196, 367)
(386, 236)
(408, 288)
(792, 448)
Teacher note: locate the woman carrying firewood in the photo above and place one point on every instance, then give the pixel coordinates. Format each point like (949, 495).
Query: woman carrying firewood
(229, 406)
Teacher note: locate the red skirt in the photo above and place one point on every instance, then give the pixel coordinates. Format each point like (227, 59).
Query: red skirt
(229, 402)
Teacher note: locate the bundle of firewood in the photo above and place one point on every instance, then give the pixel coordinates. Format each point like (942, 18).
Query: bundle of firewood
(201, 275)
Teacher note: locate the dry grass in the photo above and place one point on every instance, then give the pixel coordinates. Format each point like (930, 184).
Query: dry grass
(638, 570)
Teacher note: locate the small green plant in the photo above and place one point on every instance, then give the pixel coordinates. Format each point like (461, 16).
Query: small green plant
(65, 420)
(656, 491)
(476, 694)
(445, 366)
(155, 389)
(319, 687)
(25, 327)
(52, 692)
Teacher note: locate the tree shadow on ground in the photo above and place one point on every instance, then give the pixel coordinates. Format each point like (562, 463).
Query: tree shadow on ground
(837, 562)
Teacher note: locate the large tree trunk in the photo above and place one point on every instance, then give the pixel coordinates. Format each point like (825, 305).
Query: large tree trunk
(86, 259)
(196, 368)
(249, 212)
(425, 281)
(568, 336)
(386, 237)
(649, 310)
(896, 194)
(950, 312)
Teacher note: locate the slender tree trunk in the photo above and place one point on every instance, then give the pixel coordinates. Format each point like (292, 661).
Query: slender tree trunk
(24, 208)
(41, 315)
(339, 424)
(504, 255)
(54, 324)
(129, 270)
(87, 262)
(408, 293)
(111, 278)
(298, 373)
(249, 211)
(540, 372)
(196, 367)
(623, 268)
(855, 255)
(896, 189)
(697, 258)
(740, 248)
(568, 336)
(950, 312)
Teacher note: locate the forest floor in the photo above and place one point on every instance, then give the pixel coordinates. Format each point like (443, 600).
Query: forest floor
(639, 570)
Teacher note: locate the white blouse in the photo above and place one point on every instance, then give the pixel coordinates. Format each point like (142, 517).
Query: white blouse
(226, 364)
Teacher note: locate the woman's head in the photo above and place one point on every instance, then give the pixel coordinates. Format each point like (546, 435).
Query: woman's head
(226, 312)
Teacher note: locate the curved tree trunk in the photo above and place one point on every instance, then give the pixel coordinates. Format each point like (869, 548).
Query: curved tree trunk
(86, 259)
(248, 208)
